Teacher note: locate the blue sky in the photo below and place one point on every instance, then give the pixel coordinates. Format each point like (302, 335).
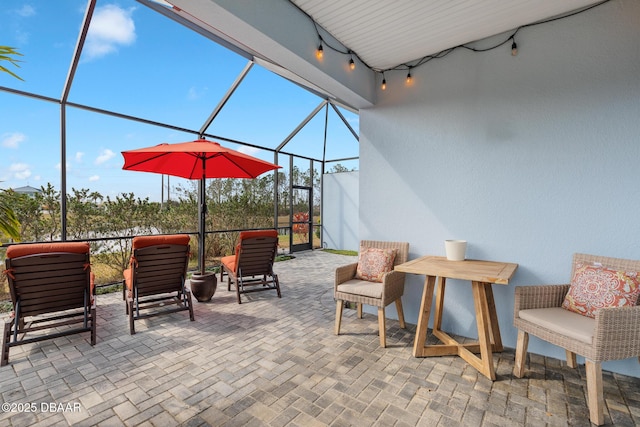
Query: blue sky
(137, 62)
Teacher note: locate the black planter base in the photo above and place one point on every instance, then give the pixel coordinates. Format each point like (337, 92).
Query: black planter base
(203, 286)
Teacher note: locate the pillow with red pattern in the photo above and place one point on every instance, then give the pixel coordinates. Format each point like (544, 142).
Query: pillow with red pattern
(594, 287)
(373, 263)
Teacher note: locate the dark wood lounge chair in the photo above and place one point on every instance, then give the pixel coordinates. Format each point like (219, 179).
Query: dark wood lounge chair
(156, 277)
(251, 268)
(51, 288)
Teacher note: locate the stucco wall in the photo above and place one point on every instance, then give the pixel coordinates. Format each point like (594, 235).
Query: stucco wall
(530, 158)
(340, 210)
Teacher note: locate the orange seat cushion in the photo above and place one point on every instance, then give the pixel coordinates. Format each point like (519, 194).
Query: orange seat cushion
(257, 233)
(127, 278)
(230, 262)
(174, 239)
(16, 251)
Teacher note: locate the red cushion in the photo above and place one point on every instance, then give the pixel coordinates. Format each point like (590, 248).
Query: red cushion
(127, 278)
(230, 262)
(594, 287)
(16, 251)
(174, 239)
(92, 279)
(257, 233)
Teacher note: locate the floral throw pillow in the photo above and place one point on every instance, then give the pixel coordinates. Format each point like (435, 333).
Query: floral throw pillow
(595, 287)
(373, 263)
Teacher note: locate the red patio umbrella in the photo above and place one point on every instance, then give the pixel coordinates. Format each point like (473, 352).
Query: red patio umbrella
(198, 159)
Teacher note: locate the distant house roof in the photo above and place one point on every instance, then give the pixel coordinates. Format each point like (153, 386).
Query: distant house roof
(27, 189)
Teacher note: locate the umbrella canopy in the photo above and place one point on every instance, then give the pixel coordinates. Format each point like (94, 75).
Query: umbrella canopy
(198, 159)
(195, 160)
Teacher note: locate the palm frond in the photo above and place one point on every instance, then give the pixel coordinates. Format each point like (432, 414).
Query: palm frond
(6, 54)
(9, 224)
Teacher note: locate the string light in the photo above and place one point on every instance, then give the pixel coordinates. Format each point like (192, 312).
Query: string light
(409, 77)
(352, 64)
(320, 51)
(514, 48)
(383, 86)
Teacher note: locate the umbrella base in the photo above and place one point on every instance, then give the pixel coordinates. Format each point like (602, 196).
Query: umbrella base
(203, 286)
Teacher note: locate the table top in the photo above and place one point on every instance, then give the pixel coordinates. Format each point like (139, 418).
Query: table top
(469, 269)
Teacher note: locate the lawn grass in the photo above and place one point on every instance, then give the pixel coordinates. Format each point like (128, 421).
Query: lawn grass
(341, 252)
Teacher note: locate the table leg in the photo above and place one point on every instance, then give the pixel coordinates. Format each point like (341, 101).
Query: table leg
(484, 333)
(423, 317)
(440, 288)
(493, 316)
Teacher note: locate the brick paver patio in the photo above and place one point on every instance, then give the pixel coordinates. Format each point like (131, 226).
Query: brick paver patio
(276, 362)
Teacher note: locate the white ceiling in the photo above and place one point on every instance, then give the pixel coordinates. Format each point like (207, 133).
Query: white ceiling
(385, 33)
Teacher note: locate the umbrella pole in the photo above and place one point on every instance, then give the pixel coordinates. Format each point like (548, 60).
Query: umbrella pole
(202, 286)
(203, 213)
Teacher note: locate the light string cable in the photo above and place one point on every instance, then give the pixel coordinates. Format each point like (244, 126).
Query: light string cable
(408, 66)
(324, 43)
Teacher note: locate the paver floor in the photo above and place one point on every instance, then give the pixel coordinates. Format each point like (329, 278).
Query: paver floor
(276, 362)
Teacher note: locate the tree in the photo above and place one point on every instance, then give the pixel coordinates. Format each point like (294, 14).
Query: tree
(83, 215)
(49, 223)
(125, 216)
(337, 168)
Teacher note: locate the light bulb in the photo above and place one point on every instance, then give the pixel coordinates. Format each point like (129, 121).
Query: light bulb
(319, 51)
(409, 78)
(352, 64)
(514, 48)
(383, 86)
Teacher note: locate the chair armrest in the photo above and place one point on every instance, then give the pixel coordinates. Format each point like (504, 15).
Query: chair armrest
(617, 333)
(392, 286)
(344, 273)
(539, 296)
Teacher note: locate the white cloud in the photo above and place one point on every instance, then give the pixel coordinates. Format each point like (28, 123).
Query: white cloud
(79, 156)
(12, 140)
(26, 10)
(57, 166)
(104, 156)
(20, 170)
(94, 178)
(194, 93)
(111, 27)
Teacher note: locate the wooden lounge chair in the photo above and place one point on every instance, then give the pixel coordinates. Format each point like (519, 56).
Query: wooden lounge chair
(612, 333)
(251, 268)
(52, 292)
(353, 283)
(156, 277)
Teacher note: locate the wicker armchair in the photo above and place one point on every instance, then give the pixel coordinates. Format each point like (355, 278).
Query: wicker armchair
(348, 288)
(614, 333)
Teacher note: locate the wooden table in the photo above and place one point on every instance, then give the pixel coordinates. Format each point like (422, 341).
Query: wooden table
(481, 274)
